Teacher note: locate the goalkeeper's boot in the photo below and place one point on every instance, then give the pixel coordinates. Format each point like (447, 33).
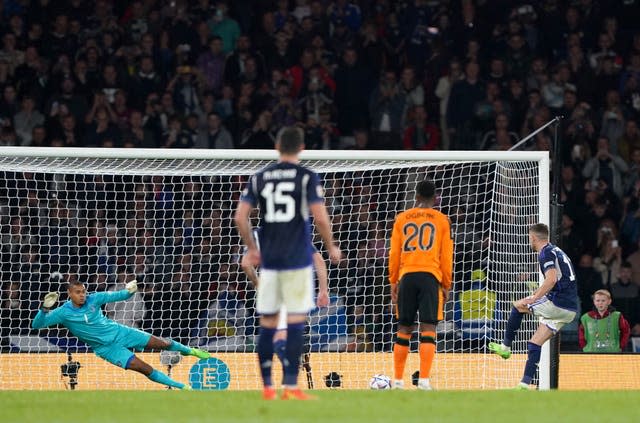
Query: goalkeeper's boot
(268, 393)
(186, 388)
(201, 354)
(296, 394)
(500, 349)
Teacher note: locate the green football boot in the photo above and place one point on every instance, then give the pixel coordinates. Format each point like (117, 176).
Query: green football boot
(201, 354)
(501, 350)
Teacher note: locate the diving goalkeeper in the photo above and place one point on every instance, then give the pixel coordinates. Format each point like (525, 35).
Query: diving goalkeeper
(111, 341)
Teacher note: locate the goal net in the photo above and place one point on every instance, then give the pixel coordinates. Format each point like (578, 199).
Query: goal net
(165, 218)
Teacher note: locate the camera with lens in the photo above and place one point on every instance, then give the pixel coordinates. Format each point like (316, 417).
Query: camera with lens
(71, 369)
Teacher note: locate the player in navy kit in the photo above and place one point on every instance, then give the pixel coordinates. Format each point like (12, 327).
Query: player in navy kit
(554, 303)
(286, 194)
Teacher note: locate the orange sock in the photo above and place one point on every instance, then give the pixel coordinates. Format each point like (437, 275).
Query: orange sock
(400, 353)
(427, 352)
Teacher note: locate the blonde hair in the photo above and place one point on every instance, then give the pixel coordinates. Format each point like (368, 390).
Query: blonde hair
(604, 292)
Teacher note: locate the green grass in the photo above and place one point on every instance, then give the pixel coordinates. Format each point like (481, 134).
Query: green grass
(333, 407)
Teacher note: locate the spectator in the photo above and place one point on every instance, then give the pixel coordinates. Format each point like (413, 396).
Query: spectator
(442, 91)
(215, 135)
(606, 166)
(223, 26)
(464, 95)
(489, 139)
(629, 141)
(385, 108)
(137, 133)
(590, 280)
(412, 92)
(421, 135)
(603, 329)
(609, 259)
(353, 85)
(626, 295)
(27, 119)
(211, 65)
(261, 135)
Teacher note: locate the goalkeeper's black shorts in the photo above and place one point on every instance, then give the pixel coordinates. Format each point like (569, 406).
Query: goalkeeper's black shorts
(419, 292)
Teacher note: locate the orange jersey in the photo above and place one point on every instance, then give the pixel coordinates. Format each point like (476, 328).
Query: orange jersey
(421, 242)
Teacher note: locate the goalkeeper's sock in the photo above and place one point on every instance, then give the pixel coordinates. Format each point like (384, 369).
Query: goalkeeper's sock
(280, 348)
(293, 352)
(400, 353)
(427, 352)
(177, 346)
(533, 359)
(265, 353)
(513, 324)
(163, 379)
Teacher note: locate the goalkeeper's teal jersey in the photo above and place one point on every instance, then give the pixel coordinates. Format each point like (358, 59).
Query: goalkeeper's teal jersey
(87, 323)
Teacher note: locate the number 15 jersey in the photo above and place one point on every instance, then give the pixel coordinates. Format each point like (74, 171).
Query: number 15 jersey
(421, 242)
(283, 191)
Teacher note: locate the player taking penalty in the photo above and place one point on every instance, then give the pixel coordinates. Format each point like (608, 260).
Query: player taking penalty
(111, 341)
(554, 303)
(420, 272)
(286, 194)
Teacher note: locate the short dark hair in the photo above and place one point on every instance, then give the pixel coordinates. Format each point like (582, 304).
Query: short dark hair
(426, 189)
(290, 140)
(73, 283)
(540, 230)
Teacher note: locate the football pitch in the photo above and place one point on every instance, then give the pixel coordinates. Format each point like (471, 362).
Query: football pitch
(332, 406)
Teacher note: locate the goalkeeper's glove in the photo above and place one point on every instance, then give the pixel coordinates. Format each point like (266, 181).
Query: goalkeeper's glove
(132, 286)
(49, 300)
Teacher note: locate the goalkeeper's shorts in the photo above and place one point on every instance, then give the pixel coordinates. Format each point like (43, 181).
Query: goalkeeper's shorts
(120, 352)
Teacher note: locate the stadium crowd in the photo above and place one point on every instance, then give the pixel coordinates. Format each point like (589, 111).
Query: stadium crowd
(368, 74)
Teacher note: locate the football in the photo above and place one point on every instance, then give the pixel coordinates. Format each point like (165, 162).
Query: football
(380, 382)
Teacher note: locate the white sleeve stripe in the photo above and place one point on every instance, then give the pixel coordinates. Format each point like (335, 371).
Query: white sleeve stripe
(304, 207)
(254, 186)
(549, 263)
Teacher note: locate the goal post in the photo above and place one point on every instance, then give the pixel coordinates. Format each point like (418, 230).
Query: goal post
(165, 217)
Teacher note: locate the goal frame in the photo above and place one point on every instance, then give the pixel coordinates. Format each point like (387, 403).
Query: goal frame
(541, 157)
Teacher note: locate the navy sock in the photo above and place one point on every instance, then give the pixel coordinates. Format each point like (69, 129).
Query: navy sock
(532, 362)
(280, 348)
(295, 347)
(265, 353)
(160, 377)
(513, 324)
